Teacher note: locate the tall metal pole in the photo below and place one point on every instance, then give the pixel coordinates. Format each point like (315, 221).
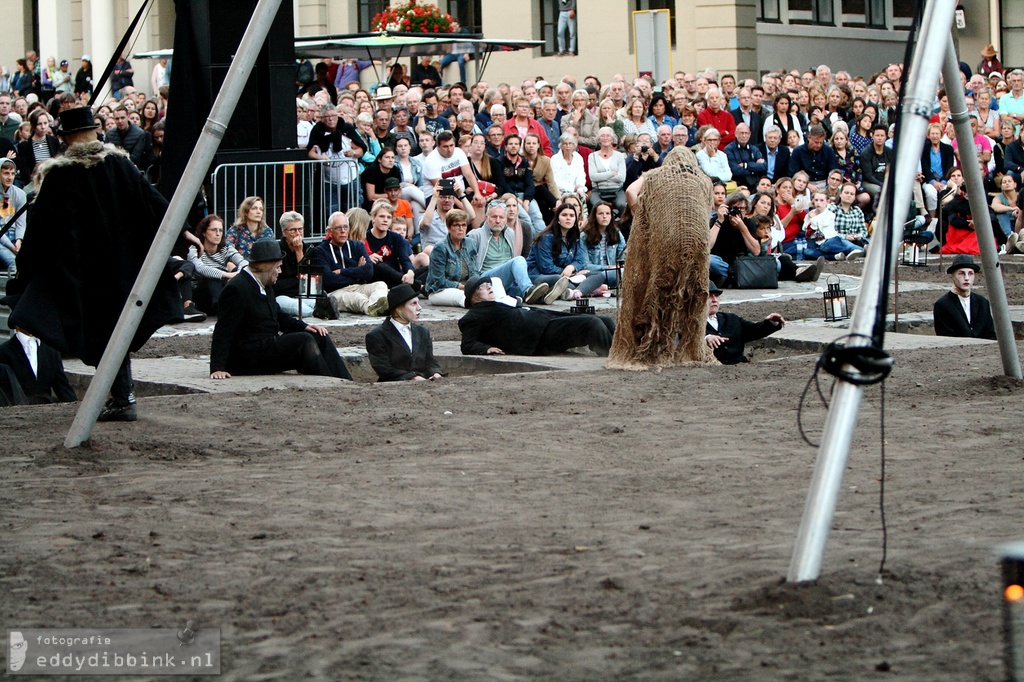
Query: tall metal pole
(174, 218)
(820, 506)
(979, 211)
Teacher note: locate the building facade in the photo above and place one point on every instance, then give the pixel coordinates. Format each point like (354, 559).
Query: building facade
(745, 37)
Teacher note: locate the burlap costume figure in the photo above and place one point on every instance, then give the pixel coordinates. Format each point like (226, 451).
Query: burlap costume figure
(664, 290)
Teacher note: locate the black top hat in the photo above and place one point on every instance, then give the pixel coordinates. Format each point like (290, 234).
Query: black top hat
(265, 251)
(962, 261)
(472, 284)
(77, 119)
(400, 295)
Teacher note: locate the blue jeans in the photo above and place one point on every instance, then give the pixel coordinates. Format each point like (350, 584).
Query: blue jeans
(719, 267)
(513, 274)
(835, 245)
(449, 58)
(1005, 223)
(290, 305)
(811, 251)
(566, 23)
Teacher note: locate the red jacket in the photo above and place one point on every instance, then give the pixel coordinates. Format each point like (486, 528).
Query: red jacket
(723, 121)
(545, 145)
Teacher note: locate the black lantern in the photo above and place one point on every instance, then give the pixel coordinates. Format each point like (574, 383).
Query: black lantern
(1012, 559)
(582, 307)
(310, 272)
(914, 250)
(835, 301)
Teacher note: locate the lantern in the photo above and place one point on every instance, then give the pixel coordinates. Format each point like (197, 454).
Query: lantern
(1012, 559)
(311, 276)
(835, 301)
(914, 250)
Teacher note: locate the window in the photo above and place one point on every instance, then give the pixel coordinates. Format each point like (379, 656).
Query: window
(670, 5)
(864, 13)
(770, 11)
(549, 26)
(367, 10)
(468, 13)
(816, 12)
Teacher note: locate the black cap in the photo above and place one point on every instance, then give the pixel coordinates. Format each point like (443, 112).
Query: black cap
(265, 251)
(472, 284)
(392, 183)
(962, 261)
(400, 295)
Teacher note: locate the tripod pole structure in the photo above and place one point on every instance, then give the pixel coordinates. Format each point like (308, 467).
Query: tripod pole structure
(809, 551)
(976, 195)
(176, 215)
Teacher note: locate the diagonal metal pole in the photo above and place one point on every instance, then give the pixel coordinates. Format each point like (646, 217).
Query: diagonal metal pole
(827, 478)
(979, 211)
(170, 228)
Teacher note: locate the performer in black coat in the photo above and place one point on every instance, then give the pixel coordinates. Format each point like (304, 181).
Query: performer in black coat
(726, 333)
(391, 355)
(48, 383)
(93, 221)
(248, 338)
(949, 314)
(491, 328)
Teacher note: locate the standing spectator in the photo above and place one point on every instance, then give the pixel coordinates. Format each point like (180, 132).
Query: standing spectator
(713, 162)
(747, 113)
(38, 148)
(8, 124)
(335, 141)
(63, 81)
(447, 161)
(566, 23)
(715, 115)
(989, 62)
(158, 78)
(131, 138)
(121, 76)
(875, 161)
(607, 170)
(784, 119)
(348, 72)
(1011, 105)
(425, 74)
(549, 107)
(522, 123)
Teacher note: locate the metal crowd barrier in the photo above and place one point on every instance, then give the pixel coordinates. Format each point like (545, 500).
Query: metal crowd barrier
(313, 188)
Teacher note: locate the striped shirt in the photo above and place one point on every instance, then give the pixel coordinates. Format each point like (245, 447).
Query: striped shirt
(214, 265)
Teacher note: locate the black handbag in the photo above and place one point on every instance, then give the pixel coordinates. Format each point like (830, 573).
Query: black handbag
(755, 272)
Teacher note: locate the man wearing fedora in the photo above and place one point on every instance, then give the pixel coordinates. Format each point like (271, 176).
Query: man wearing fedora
(100, 210)
(253, 335)
(492, 328)
(960, 311)
(726, 333)
(400, 349)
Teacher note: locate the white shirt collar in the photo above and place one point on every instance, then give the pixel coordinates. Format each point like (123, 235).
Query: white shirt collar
(404, 330)
(263, 292)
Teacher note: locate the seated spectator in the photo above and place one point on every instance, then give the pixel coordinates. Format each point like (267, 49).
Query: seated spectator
(250, 225)
(490, 328)
(489, 176)
(608, 172)
(821, 228)
(745, 160)
(774, 153)
(816, 158)
(412, 178)
(764, 223)
(215, 265)
(544, 188)
(790, 212)
(347, 274)
(390, 253)
(449, 162)
(39, 146)
(981, 154)
(643, 159)
(960, 235)
(784, 120)
(559, 256)
(375, 176)
(11, 231)
(567, 167)
(294, 249)
(399, 349)
(452, 262)
(433, 223)
(497, 246)
(875, 161)
(1004, 205)
(730, 236)
(580, 117)
(960, 311)
(1013, 157)
(713, 162)
(727, 333)
(38, 369)
(248, 338)
(850, 224)
(606, 246)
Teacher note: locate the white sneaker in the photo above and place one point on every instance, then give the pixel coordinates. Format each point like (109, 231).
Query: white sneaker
(840, 256)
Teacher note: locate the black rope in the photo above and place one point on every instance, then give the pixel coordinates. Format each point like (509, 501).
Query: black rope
(881, 489)
(98, 88)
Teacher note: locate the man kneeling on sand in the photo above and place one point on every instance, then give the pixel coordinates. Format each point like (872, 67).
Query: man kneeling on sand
(490, 328)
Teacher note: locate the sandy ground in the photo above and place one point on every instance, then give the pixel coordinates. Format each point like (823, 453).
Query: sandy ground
(554, 526)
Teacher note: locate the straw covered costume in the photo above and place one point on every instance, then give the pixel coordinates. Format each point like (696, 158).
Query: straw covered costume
(664, 290)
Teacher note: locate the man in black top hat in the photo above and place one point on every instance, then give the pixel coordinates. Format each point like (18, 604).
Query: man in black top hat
(492, 328)
(94, 218)
(727, 333)
(960, 311)
(248, 338)
(400, 349)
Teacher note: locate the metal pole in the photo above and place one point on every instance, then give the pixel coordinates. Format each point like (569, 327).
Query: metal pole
(820, 506)
(174, 218)
(979, 211)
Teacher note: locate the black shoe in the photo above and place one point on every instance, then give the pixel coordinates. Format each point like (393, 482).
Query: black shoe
(119, 413)
(194, 314)
(326, 308)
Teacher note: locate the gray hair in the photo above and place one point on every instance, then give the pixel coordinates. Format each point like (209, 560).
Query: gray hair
(498, 109)
(549, 100)
(566, 137)
(364, 118)
(289, 217)
(772, 129)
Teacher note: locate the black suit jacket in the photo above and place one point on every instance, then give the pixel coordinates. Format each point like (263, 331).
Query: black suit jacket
(517, 331)
(739, 332)
(392, 360)
(756, 125)
(781, 161)
(950, 319)
(50, 385)
(247, 322)
(947, 156)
